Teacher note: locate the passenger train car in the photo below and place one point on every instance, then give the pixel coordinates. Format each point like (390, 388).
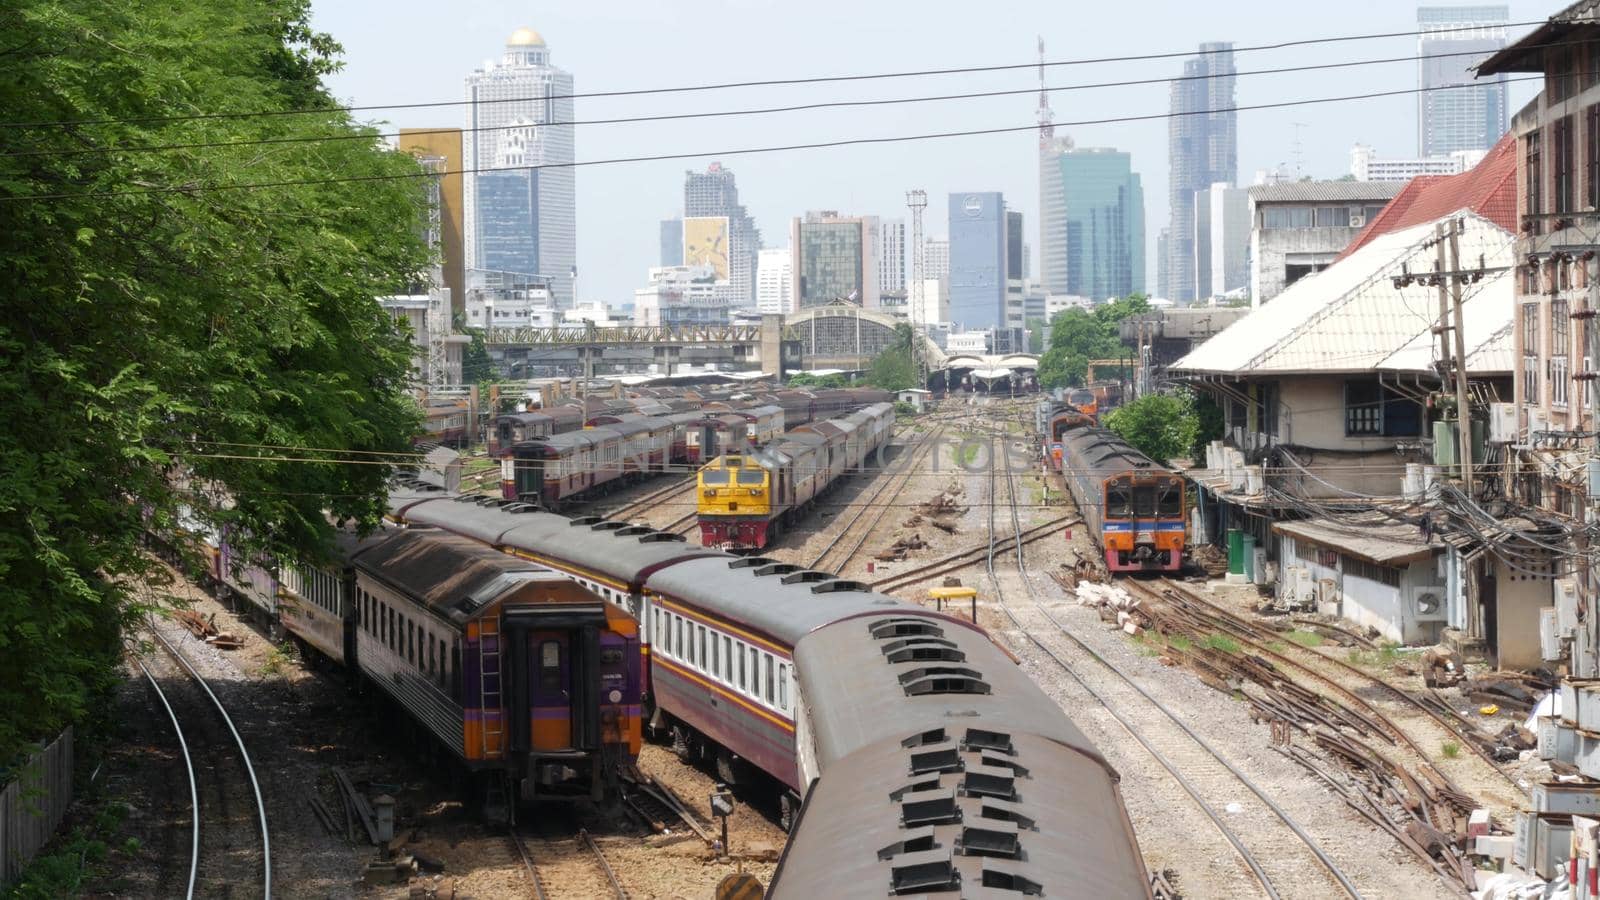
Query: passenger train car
(518, 671)
(1061, 418)
(747, 499)
(782, 676)
(1133, 506)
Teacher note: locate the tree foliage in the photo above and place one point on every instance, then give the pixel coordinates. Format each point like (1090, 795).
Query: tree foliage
(893, 370)
(1164, 426)
(1078, 336)
(476, 364)
(169, 340)
(807, 380)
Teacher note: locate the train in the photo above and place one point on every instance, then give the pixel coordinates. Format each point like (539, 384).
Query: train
(1135, 508)
(1084, 401)
(909, 752)
(556, 455)
(531, 681)
(746, 499)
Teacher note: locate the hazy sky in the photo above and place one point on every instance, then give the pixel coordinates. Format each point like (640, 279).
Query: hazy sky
(405, 51)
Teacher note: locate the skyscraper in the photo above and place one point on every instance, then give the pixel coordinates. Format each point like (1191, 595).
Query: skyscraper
(1105, 223)
(774, 271)
(1052, 195)
(1203, 149)
(978, 260)
(444, 144)
(1222, 240)
(671, 242)
(936, 259)
(892, 261)
(514, 115)
(711, 194)
(835, 258)
(1460, 118)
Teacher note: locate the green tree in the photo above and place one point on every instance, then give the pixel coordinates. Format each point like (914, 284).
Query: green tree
(476, 364)
(893, 370)
(808, 380)
(169, 335)
(1037, 330)
(1162, 425)
(1078, 336)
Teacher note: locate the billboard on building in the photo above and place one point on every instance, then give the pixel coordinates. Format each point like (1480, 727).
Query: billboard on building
(705, 243)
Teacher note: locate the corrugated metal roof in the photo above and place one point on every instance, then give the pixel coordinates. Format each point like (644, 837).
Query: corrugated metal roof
(1488, 189)
(1382, 544)
(1351, 317)
(1319, 191)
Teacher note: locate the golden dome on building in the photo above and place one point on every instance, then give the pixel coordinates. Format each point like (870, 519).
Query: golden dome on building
(525, 37)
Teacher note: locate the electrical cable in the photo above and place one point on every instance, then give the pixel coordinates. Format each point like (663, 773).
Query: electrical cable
(823, 79)
(746, 151)
(834, 104)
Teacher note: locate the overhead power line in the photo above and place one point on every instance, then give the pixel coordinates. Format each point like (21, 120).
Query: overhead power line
(746, 151)
(747, 111)
(770, 82)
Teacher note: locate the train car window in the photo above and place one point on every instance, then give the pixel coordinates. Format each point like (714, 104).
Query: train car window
(727, 659)
(550, 666)
(1144, 501)
(768, 670)
(455, 669)
(700, 646)
(677, 638)
(411, 643)
(432, 668)
(714, 476)
(752, 476)
(1169, 499)
(783, 687)
(383, 623)
(1119, 501)
(715, 670)
(744, 681)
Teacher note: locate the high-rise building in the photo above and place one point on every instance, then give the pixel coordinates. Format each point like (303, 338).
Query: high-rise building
(714, 194)
(1203, 149)
(444, 144)
(1222, 240)
(978, 260)
(518, 117)
(1460, 118)
(1105, 223)
(671, 242)
(1367, 165)
(936, 259)
(1052, 194)
(1016, 272)
(774, 271)
(835, 258)
(1163, 244)
(892, 262)
(508, 221)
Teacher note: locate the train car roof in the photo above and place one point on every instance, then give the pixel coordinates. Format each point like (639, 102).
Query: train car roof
(768, 409)
(898, 680)
(780, 601)
(1032, 817)
(1100, 447)
(455, 576)
(620, 551)
(566, 440)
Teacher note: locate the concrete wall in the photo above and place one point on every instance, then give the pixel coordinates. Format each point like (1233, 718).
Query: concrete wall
(1391, 609)
(1311, 414)
(1272, 250)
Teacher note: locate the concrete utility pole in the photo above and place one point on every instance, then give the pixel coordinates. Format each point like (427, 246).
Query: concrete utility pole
(1463, 418)
(917, 201)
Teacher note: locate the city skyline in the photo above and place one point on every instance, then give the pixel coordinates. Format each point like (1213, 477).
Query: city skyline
(619, 207)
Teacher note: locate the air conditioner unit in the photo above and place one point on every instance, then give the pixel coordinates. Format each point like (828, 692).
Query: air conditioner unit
(1550, 644)
(1502, 423)
(1358, 221)
(1291, 583)
(1538, 421)
(1327, 597)
(1430, 606)
(1566, 596)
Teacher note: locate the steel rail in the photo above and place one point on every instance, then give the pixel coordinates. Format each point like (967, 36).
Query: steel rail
(641, 503)
(918, 449)
(194, 789)
(527, 862)
(244, 756)
(1194, 794)
(1256, 639)
(605, 864)
(957, 561)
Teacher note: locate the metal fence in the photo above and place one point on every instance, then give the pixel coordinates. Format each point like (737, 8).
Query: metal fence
(32, 805)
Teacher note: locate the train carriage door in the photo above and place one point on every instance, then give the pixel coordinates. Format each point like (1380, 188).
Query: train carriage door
(528, 477)
(550, 676)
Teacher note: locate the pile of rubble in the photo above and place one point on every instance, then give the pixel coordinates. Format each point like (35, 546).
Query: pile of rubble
(205, 629)
(1115, 605)
(902, 548)
(940, 512)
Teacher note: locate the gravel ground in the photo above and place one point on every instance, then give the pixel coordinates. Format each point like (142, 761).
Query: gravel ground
(1171, 830)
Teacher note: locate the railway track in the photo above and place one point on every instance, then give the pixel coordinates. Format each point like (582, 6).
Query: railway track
(223, 788)
(559, 868)
(971, 556)
(660, 497)
(847, 543)
(1178, 755)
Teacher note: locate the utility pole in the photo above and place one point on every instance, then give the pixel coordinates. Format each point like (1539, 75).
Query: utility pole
(1463, 416)
(1442, 277)
(917, 201)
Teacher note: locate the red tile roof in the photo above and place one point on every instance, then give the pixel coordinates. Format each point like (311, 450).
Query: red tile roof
(1488, 189)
